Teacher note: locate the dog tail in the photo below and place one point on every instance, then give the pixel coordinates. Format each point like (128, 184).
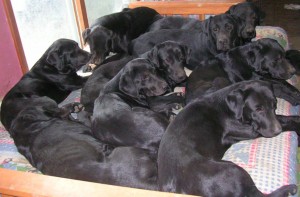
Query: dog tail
(283, 191)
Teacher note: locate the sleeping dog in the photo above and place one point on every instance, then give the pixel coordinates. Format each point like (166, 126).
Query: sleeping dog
(59, 147)
(262, 59)
(113, 32)
(250, 14)
(169, 58)
(220, 34)
(121, 114)
(54, 75)
(191, 150)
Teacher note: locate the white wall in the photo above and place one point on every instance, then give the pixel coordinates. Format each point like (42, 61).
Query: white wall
(98, 8)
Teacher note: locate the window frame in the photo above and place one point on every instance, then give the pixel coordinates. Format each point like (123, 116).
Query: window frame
(81, 22)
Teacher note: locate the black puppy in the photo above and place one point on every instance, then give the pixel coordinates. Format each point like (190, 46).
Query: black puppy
(176, 22)
(293, 56)
(113, 32)
(220, 34)
(121, 116)
(262, 59)
(59, 147)
(251, 15)
(169, 58)
(54, 75)
(190, 152)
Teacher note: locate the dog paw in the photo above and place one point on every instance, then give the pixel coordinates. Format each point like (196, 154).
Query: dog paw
(77, 107)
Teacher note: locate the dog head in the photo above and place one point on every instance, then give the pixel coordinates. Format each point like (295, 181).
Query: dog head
(65, 56)
(268, 59)
(170, 58)
(251, 16)
(254, 103)
(223, 29)
(139, 80)
(100, 40)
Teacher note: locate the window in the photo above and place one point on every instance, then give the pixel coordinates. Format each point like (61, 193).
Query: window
(40, 23)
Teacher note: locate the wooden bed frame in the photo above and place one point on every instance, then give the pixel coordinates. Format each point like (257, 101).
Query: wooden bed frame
(15, 183)
(199, 8)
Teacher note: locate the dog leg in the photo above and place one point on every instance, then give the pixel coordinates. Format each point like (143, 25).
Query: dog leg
(167, 105)
(286, 91)
(289, 123)
(76, 112)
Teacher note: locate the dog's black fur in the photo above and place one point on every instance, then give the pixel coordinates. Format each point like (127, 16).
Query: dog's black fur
(220, 34)
(98, 79)
(59, 147)
(176, 22)
(113, 32)
(54, 75)
(169, 58)
(251, 15)
(262, 59)
(293, 56)
(190, 152)
(121, 116)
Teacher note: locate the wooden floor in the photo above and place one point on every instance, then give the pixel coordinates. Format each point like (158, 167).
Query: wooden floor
(289, 20)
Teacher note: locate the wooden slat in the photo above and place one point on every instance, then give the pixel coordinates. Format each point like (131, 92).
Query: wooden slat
(187, 8)
(25, 184)
(81, 18)
(15, 35)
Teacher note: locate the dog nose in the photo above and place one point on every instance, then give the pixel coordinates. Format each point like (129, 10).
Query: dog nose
(181, 78)
(223, 41)
(168, 88)
(250, 32)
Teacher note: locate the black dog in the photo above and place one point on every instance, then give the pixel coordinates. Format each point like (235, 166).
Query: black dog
(169, 58)
(293, 56)
(113, 32)
(176, 22)
(220, 34)
(121, 116)
(262, 59)
(54, 75)
(190, 152)
(59, 147)
(250, 14)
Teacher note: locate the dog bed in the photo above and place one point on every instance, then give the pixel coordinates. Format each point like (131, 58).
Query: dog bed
(271, 162)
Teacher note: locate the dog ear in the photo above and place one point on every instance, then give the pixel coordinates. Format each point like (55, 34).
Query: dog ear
(127, 86)
(85, 34)
(240, 25)
(154, 55)
(54, 59)
(187, 52)
(235, 102)
(207, 26)
(261, 15)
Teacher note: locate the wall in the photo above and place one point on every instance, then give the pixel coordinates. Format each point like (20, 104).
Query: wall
(10, 69)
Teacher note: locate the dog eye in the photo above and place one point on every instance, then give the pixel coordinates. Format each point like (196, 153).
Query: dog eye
(259, 108)
(215, 29)
(145, 77)
(169, 60)
(229, 27)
